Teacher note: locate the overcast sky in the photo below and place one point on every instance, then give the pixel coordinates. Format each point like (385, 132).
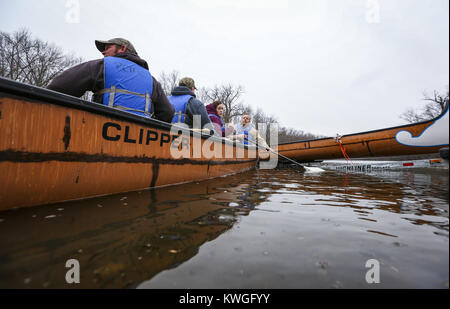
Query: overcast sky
(321, 66)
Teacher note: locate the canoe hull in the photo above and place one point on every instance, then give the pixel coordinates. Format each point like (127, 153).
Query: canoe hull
(51, 153)
(419, 138)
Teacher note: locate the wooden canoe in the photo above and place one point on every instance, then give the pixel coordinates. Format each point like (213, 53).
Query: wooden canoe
(411, 139)
(55, 147)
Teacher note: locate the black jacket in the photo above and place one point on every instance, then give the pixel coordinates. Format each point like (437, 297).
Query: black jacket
(89, 76)
(194, 107)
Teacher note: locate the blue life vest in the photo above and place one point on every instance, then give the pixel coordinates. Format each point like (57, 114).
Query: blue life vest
(128, 86)
(245, 132)
(179, 103)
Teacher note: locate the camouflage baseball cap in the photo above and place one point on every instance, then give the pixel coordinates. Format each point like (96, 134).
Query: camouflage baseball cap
(118, 41)
(188, 82)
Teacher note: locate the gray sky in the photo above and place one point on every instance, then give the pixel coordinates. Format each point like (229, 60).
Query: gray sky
(324, 67)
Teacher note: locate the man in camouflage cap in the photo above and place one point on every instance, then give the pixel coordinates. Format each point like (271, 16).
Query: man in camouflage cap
(118, 43)
(186, 104)
(121, 71)
(187, 82)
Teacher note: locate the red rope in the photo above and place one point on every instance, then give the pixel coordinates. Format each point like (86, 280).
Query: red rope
(344, 153)
(338, 140)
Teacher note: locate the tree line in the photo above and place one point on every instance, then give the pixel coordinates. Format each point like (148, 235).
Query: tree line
(33, 61)
(30, 60)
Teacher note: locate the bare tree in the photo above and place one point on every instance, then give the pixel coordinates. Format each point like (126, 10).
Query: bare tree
(435, 106)
(169, 81)
(241, 109)
(286, 135)
(31, 61)
(229, 95)
(411, 116)
(260, 117)
(264, 123)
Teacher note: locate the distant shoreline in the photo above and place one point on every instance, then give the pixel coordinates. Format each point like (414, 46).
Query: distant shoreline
(402, 158)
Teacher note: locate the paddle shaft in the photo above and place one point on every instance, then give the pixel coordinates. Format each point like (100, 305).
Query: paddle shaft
(280, 155)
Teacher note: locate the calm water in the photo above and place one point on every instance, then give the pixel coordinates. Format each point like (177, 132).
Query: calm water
(260, 229)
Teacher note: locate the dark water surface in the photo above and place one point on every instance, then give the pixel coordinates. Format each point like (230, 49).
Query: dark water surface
(260, 229)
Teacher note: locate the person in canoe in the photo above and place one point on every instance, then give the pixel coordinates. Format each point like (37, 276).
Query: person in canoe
(247, 134)
(187, 105)
(121, 79)
(215, 113)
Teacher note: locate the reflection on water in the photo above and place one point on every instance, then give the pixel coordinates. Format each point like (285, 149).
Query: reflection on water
(260, 229)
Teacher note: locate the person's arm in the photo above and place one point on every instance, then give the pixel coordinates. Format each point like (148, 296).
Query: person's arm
(164, 110)
(239, 137)
(229, 129)
(78, 79)
(256, 137)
